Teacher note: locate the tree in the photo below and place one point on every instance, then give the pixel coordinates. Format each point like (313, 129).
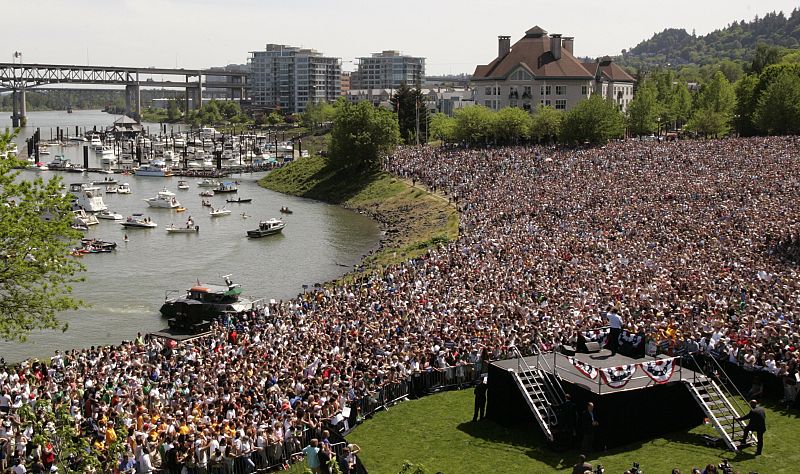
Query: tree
(316, 114)
(274, 118)
(681, 104)
(714, 107)
(362, 134)
(545, 123)
(443, 127)
(643, 110)
(709, 123)
(37, 270)
(173, 114)
(746, 101)
(474, 124)
(778, 109)
(409, 104)
(594, 120)
(765, 56)
(511, 124)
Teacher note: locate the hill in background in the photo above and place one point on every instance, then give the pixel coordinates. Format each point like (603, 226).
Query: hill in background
(737, 42)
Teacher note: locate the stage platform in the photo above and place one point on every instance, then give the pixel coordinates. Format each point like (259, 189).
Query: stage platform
(568, 373)
(178, 336)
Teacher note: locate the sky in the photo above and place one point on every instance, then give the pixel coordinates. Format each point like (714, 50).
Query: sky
(454, 36)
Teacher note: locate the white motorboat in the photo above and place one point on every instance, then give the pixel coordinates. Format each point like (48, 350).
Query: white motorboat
(124, 188)
(88, 197)
(208, 183)
(156, 168)
(110, 216)
(219, 212)
(112, 189)
(107, 156)
(169, 155)
(138, 221)
(183, 185)
(94, 142)
(268, 227)
(82, 218)
(190, 228)
(164, 199)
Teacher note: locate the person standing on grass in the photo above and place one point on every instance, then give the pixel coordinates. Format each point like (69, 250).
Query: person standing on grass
(480, 400)
(311, 452)
(757, 422)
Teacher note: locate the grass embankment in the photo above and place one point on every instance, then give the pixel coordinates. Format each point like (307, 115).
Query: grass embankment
(414, 219)
(436, 432)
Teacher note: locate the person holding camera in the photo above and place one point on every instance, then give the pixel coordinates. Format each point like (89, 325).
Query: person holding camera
(757, 423)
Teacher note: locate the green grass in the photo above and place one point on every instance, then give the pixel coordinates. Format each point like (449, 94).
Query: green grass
(436, 432)
(416, 219)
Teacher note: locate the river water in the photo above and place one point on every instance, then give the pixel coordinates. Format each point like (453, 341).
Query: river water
(126, 288)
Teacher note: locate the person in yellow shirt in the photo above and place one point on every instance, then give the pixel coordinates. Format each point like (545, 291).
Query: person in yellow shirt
(111, 435)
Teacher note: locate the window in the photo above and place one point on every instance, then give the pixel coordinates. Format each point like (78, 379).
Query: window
(521, 75)
(546, 103)
(488, 91)
(584, 90)
(526, 92)
(561, 90)
(561, 104)
(545, 90)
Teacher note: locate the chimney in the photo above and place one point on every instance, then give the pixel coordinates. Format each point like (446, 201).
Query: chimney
(555, 46)
(503, 45)
(568, 43)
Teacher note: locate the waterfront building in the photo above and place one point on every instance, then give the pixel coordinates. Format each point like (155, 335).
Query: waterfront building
(288, 78)
(440, 99)
(540, 68)
(388, 70)
(231, 94)
(345, 83)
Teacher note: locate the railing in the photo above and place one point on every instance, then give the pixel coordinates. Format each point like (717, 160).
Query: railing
(541, 396)
(719, 375)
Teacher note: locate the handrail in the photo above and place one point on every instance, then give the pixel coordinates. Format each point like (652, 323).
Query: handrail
(557, 389)
(724, 381)
(522, 363)
(721, 386)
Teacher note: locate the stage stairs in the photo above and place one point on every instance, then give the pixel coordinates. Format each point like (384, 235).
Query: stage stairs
(542, 391)
(718, 404)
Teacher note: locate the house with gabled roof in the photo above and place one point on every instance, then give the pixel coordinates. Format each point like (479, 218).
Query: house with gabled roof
(540, 68)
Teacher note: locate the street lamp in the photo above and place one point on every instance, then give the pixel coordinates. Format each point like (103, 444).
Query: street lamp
(17, 54)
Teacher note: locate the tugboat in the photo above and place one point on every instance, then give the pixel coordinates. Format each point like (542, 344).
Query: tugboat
(194, 311)
(268, 227)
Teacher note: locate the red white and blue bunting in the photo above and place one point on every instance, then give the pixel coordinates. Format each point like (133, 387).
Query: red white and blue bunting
(597, 335)
(583, 368)
(618, 377)
(659, 370)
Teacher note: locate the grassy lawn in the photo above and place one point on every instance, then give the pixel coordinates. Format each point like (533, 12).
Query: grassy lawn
(414, 219)
(436, 432)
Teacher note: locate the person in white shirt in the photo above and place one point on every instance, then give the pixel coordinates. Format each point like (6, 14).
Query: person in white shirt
(615, 324)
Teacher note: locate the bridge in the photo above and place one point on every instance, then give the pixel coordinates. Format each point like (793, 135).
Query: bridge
(19, 77)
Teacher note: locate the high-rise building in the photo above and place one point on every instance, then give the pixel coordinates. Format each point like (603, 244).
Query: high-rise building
(288, 78)
(387, 70)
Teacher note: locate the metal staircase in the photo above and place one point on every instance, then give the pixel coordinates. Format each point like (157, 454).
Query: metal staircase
(721, 410)
(541, 391)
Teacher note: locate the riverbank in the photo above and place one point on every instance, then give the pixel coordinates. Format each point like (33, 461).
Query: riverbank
(413, 219)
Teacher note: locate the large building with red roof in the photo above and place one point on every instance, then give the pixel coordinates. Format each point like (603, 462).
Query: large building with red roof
(540, 68)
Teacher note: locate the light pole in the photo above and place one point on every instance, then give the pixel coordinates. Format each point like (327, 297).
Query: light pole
(17, 54)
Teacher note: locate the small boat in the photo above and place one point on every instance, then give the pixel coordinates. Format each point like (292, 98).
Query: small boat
(124, 188)
(84, 218)
(206, 203)
(208, 183)
(105, 171)
(108, 180)
(102, 244)
(268, 227)
(286, 210)
(81, 227)
(180, 209)
(208, 193)
(139, 221)
(183, 185)
(173, 229)
(240, 200)
(219, 212)
(112, 189)
(111, 216)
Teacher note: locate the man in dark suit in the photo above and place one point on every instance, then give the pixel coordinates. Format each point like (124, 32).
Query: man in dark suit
(757, 422)
(480, 400)
(589, 426)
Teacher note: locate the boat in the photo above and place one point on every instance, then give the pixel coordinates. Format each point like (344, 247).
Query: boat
(156, 168)
(227, 187)
(77, 139)
(183, 185)
(112, 189)
(207, 193)
(286, 210)
(240, 200)
(199, 305)
(219, 212)
(107, 156)
(138, 221)
(95, 143)
(189, 228)
(81, 227)
(100, 244)
(82, 218)
(208, 183)
(88, 197)
(168, 155)
(180, 209)
(59, 163)
(206, 203)
(110, 216)
(267, 227)
(107, 180)
(164, 199)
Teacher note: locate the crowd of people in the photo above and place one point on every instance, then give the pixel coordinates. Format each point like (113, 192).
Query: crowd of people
(690, 242)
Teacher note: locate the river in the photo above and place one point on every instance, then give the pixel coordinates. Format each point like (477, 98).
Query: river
(126, 288)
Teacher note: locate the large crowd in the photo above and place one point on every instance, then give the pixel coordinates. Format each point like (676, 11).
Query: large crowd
(693, 243)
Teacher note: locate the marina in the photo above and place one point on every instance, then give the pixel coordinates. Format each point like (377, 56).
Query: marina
(125, 288)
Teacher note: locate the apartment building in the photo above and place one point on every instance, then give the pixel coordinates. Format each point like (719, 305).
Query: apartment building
(388, 70)
(288, 78)
(540, 68)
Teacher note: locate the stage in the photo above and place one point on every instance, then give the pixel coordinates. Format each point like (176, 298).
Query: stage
(640, 408)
